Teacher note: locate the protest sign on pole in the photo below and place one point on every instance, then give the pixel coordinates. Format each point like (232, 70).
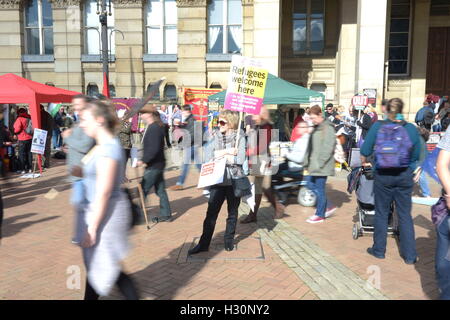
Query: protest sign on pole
(198, 98)
(372, 95)
(246, 85)
(360, 101)
(38, 142)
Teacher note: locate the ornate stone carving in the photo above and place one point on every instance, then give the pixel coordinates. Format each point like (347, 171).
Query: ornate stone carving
(192, 3)
(10, 4)
(61, 4)
(128, 3)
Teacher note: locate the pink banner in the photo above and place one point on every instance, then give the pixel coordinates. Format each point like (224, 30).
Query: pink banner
(243, 103)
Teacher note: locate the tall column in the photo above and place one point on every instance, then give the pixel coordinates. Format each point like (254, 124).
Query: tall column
(248, 27)
(346, 54)
(10, 37)
(192, 42)
(419, 47)
(266, 36)
(67, 44)
(371, 45)
(129, 50)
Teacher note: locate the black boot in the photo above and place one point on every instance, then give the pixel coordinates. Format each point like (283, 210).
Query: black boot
(229, 245)
(197, 249)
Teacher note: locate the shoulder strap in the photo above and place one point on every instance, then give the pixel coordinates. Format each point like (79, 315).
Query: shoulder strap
(89, 155)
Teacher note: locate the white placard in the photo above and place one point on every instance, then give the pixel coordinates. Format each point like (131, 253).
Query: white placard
(212, 173)
(38, 142)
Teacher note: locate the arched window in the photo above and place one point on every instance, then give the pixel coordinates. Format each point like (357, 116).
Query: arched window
(92, 43)
(215, 85)
(170, 92)
(92, 89)
(225, 26)
(38, 27)
(161, 25)
(157, 95)
(112, 91)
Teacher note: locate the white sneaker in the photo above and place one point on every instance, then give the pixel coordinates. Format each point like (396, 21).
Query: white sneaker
(315, 219)
(330, 211)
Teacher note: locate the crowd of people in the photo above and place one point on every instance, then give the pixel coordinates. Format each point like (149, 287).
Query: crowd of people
(98, 143)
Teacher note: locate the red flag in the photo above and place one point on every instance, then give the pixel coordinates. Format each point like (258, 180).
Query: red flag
(105, 91)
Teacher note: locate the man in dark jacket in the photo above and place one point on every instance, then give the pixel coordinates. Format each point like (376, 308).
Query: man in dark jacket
(190, 144)
(47, 124)
(154, 161)
(20, 126)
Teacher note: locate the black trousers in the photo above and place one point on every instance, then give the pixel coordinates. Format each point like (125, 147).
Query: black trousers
(166, 129)
(125, 284)
(25, 155)
(217, 196)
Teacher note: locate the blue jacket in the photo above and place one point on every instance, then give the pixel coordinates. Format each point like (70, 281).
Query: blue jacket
(369, 143)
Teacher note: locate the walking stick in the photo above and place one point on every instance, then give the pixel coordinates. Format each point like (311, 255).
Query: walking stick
(144, 210)
(142, 200)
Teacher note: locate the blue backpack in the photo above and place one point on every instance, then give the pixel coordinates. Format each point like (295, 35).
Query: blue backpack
(393, 146)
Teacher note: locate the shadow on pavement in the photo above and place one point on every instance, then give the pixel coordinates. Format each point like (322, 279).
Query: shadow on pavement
(337, 197)
(11, 228)
(426, 251)
(164, 278)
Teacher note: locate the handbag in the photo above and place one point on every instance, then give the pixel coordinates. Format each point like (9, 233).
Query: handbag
(240, 182)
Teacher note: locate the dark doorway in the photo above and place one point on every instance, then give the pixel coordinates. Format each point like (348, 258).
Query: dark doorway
(438, 67)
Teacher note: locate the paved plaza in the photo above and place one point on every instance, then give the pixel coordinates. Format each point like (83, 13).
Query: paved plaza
(286, 259)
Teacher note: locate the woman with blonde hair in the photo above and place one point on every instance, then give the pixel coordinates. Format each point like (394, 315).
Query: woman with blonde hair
(223, 145)
(107, 216)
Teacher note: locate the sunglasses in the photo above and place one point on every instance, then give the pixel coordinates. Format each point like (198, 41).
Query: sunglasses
(222, 123)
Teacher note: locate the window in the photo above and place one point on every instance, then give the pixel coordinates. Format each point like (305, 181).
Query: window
(112, 91)
(215, 85)
(170, 92)
(399, 37)
(161, 27)
(225, 26)
(440, 8)
(156, 96)
(92, 89)
(308, 27)
(38, 27)
(93, 29)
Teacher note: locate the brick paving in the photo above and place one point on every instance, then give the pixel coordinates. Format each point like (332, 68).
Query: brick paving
(284, 259)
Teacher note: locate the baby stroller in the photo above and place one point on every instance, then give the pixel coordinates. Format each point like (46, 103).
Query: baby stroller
(363, 182)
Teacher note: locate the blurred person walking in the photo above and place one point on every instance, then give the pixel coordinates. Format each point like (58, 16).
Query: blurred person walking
(223, 145)
(190, 146)
(78, 144)
(396, 144)
(48, 124)
(154, 161)
(108, 213)
(442, 262)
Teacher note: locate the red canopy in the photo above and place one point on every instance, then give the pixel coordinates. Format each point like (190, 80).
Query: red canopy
(15, 89)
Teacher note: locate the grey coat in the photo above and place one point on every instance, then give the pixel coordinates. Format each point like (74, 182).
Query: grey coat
(79, 145)
(319, 158)
(218, 143)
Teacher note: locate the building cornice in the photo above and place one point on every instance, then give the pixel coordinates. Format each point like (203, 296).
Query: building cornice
(128, 3)
(10, 4)
(192, 3)
(61, 4)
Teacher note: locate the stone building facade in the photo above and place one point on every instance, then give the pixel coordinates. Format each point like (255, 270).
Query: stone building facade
(401, 48)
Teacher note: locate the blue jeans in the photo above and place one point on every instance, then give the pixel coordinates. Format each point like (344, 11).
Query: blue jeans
(395, 186)
(155, 178)
(78, 200)
(317, 185)
(441, 260)
(190, 155)
(56, 138)
(423, 183)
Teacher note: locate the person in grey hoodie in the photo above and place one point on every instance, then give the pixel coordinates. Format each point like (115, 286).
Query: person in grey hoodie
(78, 145)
